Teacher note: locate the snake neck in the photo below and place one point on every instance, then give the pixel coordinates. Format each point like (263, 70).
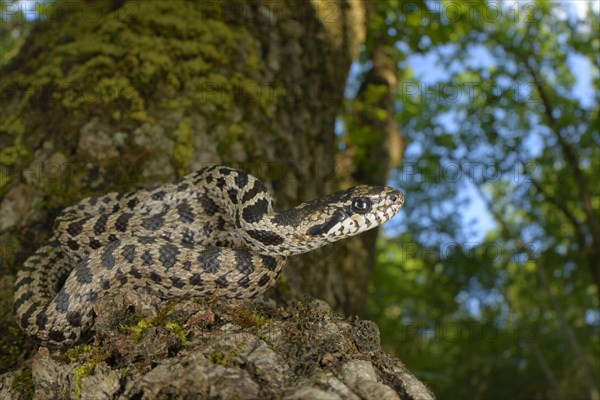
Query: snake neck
(285, 233)
(249, 205)
(302, 228)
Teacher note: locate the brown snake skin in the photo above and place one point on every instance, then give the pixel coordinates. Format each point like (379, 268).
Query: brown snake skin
(211, 233)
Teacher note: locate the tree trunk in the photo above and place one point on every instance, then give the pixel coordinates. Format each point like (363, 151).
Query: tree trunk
(116, 95)
(106, 96)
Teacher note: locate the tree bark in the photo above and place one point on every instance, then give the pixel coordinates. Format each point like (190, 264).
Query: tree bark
(111, 96)
(218, 350)
(114, 95)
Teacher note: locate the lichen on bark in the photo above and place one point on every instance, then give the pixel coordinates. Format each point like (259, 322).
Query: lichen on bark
(263, 350)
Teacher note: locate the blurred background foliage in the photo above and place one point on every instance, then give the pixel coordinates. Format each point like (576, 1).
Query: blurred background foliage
(501, 301)
(487, 287)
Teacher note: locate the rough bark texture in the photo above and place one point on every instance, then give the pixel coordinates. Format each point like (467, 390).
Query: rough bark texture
(146, 350)
(116, 95)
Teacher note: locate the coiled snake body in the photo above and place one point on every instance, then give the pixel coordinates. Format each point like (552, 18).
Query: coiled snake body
(211, 233)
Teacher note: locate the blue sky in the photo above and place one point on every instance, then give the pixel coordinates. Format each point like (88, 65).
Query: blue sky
(427, 69)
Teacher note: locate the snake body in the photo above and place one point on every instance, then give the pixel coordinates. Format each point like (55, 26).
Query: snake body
(211, 233)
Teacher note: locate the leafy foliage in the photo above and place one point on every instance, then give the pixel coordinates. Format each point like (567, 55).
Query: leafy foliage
(505, 124)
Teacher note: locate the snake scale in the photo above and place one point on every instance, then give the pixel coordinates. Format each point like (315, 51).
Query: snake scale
(211, 233)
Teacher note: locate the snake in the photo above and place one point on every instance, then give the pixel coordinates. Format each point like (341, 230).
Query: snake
(212, 233)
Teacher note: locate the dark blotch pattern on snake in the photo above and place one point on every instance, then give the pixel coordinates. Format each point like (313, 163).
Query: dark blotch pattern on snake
(211, 233)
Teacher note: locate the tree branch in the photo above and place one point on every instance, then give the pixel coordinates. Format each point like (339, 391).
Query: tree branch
(569, 154)
(592, 253)
(543, 279)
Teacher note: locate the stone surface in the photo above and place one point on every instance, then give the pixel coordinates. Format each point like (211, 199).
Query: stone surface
(18, 207)
(96, 142)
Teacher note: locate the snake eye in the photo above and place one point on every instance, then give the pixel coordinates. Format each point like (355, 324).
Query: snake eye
(361, 205)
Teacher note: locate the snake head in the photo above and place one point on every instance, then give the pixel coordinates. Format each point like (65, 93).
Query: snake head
(327, 219)
(355, 210)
